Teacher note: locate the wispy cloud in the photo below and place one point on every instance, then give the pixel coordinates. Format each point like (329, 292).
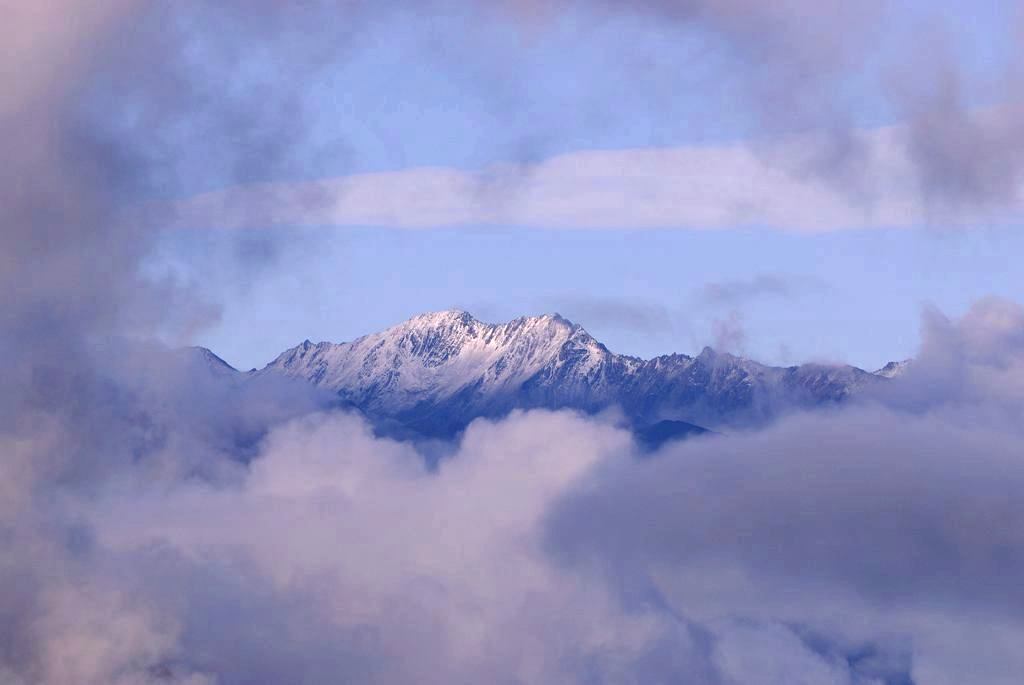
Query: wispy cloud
(729, 333)
(741, 291)
(615, 312)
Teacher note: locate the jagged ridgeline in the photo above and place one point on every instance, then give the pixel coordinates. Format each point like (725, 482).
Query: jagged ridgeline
(435, 373)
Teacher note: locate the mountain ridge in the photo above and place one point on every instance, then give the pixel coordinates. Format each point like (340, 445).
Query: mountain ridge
(439, 370)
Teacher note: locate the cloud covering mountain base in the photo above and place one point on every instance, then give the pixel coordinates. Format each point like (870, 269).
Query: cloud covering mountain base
(878, 544)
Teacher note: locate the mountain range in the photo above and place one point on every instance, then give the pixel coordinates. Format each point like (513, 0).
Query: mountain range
(433, 374)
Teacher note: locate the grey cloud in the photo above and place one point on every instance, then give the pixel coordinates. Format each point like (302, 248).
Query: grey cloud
(897, 510)
(742, 291)
(964, 155)
(973, 365)
(625, 313)
(899, 516)
(460, 587)
(729, 330)
(433, 595)
(868, 526)
(729, 333)
(593, 311)
(802, 54)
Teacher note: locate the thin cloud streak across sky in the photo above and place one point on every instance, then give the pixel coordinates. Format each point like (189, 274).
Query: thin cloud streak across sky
(708, 187)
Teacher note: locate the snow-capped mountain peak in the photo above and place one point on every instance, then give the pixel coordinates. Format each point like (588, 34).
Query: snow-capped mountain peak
(437, 354)
(442, 369)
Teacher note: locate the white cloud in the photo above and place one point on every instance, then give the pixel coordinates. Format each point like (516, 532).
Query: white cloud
(782, 186)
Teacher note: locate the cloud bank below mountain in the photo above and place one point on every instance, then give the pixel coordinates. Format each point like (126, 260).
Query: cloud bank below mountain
(872, 545)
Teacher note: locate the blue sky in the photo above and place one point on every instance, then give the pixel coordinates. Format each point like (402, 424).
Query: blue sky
(451, 91)
(855, 296)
